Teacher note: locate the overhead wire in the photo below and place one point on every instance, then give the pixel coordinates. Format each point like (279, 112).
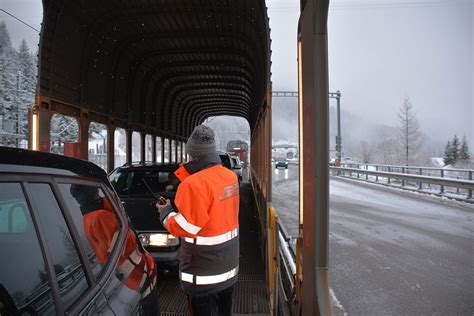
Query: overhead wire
(20, 20)
(286, 5)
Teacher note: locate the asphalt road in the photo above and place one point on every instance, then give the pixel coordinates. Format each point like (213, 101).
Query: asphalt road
(391, 252)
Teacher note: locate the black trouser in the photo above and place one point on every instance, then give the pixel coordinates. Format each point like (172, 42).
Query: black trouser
(218, 304)
(149, 304)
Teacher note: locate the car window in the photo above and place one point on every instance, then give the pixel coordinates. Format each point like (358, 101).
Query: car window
(226, 161)
(67, 265)
(24, 282)
(13, 216)
(136, 183)
(80, 207)
(121, 181)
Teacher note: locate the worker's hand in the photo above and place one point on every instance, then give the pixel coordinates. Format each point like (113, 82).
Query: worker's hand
(161, 207)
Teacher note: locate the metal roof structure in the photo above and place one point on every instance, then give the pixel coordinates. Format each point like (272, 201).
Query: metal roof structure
(157, 66)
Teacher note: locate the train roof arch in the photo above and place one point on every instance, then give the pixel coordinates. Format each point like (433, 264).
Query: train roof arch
(159, 66)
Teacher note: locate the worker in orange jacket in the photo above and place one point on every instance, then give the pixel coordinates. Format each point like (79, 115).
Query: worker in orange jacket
(206, 219)
(135, 268)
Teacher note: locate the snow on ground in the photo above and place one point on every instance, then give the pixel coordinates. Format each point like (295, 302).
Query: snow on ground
(391, 251)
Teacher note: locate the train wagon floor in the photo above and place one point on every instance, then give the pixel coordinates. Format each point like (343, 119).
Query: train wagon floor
(250, 293)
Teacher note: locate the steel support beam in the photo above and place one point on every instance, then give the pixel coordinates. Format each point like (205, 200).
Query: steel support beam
(110, 148)
(314, 115)
(153, 148)
(40, 131)
(162, 149)
(142, 147)
(83, 137)
(128, 141)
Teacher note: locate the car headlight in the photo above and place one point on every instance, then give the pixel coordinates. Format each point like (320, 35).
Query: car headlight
(158, 240)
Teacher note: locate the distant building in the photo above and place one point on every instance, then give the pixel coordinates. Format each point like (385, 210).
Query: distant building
(287, 151)
(97, 143)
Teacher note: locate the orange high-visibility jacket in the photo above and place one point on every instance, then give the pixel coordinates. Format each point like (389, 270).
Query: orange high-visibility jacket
(207, 222)
(208, 204)
(101, 228)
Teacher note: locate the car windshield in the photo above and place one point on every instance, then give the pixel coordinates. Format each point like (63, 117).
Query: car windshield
(280, 159)
(134, 182)
(226, 161)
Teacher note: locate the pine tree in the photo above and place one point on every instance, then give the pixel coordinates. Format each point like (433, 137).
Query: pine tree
(464, 151)
(27, 68)
(96, 128)
(17, 89)
(64, 129)
(455, 148)
(5, 41)
(8, 88)
(26, 85)
(448, 154)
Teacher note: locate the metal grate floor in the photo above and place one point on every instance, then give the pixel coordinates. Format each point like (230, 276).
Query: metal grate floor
(250, 294)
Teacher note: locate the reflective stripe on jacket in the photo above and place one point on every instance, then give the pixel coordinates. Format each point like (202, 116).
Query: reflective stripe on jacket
(101, 228)
(207, 221)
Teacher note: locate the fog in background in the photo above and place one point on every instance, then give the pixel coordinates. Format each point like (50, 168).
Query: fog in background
(228, 128)
(382, 51)
(379, 53)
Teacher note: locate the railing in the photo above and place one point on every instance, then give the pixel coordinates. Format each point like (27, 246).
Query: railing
(41, 298)
(466, 174)
(287, 272)
(438, 185)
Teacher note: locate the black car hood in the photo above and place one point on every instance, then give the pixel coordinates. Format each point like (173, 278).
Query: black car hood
(143, 213)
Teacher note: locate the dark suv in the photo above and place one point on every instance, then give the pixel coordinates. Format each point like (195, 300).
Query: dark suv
(230, 163)
(237, 167)
(137, 185)
(55, 258)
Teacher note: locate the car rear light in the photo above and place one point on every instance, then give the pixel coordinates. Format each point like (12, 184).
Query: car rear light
(158, 240)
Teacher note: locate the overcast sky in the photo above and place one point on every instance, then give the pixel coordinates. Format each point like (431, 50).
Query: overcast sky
(383, 50)
(379, 52)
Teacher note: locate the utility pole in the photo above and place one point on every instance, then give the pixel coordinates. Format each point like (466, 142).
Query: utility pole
(18, 116)
(337, 95)
(339, 137)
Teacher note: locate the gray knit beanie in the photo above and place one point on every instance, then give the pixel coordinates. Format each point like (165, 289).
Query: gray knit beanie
(201, 142)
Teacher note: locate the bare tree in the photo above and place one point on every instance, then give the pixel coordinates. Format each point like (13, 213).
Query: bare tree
(366, 151)
(408, 132)
(385, 152)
